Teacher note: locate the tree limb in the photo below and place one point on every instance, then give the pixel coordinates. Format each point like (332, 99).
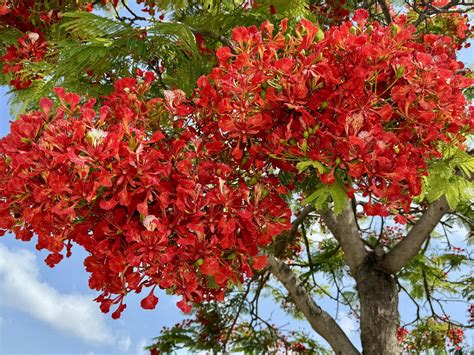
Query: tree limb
(410, 246)
(320, 320)
(301, 217)
(454, 6)
(385, 10)
(286, 238)
(344, 228)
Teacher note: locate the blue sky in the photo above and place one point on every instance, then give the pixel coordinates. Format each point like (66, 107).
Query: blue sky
(50, 311)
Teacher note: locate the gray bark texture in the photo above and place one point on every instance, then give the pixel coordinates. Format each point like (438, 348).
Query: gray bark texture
(320, 320)
(379, 317)
(375, 275)
(410, 246)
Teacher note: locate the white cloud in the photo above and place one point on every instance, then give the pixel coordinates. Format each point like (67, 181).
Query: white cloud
(75, 314)
(141, 344)
(124, 343)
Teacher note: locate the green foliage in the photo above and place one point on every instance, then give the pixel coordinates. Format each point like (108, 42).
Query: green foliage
(212, 329)
(469, 92)
(89, 51)
(329, 258)
(84, 25)
(86, 51)
(320, 197)
(8, 36)
(428, 336)
(430, 273)
(322, 192)
(304, 165)
(450, 176)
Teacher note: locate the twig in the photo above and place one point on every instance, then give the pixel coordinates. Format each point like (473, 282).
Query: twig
(229, 332)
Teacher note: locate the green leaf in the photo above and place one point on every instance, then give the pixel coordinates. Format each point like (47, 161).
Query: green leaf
(179, 33)
(338, 195)
(448, 176)
(320, 35)
(303, 165)
(417, 290)
(318, 197)
(9, 35)
(467, 166)
(89, 25)
(211, 282)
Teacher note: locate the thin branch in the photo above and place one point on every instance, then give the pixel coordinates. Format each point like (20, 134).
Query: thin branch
(135, 16)
(229, 332)
(429, 10)
(418, 309)
(382, 222)
(410, 246)
(254, 302)
(385, 10)
(320, 320)
(428, 293)
(285, 239)
(340, 291)
(300, 218)
(308, 252)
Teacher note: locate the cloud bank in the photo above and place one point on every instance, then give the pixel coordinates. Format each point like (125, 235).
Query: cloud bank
(74, 314)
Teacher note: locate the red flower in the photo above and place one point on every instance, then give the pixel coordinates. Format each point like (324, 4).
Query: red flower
(150, 301)
(259, 262)
(184, 306)
(53, 259)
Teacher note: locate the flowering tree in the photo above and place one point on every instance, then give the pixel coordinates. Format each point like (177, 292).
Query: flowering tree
(193, 145)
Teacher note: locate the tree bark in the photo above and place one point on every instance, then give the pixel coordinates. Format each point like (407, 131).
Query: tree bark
(344, 229)
(410, 246)
(379, 317)
(319, 320)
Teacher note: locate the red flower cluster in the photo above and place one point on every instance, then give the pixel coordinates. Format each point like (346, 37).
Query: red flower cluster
(21, 14)
(370, 103)
(33, 19)
(131, 184)
(455, 337)
(402, 332)
(181, 195)
(454, 25)
(17, 14)
(31, 47)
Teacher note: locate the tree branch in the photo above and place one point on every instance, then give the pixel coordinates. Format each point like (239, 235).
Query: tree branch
(454, 6)
(410, 246)
(284, 239)
(242, 302)
(301, 217)
(344, 228)
(320, 320)
(385, 10)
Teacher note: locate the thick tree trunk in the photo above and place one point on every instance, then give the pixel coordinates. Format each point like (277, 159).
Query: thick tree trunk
(379, 317)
